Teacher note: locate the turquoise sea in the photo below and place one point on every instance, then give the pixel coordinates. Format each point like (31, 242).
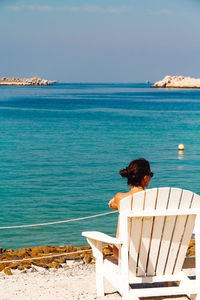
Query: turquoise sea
(61, 149)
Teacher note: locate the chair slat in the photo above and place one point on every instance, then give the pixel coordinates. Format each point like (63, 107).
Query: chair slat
(125, 206)
(187, 235)
(150, 202)
(162, 200)
(178, 232)
(135, 233)
(174, 200)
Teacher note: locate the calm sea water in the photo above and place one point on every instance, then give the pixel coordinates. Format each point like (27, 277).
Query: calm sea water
(62, 148)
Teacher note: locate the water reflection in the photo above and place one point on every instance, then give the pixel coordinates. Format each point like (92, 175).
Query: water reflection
(180, 154)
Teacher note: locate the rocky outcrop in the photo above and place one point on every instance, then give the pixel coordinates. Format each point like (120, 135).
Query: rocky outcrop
(11, 260)
(48, 257)
(178, 82)
(35, 81)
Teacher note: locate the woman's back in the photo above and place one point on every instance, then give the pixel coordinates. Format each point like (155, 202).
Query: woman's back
(138, 174)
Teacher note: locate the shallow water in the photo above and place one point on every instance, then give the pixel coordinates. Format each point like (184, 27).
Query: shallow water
(62, 148)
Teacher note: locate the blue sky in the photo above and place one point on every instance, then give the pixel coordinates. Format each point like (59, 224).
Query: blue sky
(100, 40)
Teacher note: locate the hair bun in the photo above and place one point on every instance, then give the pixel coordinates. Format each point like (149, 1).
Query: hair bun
(124, 172)
(136, 171)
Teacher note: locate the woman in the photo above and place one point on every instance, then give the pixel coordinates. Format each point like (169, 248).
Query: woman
(138, 174)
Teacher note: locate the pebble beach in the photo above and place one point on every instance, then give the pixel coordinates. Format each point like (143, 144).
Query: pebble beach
(74, 281)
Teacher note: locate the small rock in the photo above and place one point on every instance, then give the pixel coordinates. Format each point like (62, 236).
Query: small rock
(69, 248)
(60, 260)
(35, 252)
(7, 271)
(87, 258)
(33, 270)
(21, 267)
(40, 264)
(14, 265)
(73, 257)
(14, 257)
(43, 249)
(2, 250)
(27, 265)
(22, 252)
(47, 260)
(55, 265)
(10, 251)
(2, 266)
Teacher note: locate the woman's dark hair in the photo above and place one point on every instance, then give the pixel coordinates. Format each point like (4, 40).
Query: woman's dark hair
(136, 171)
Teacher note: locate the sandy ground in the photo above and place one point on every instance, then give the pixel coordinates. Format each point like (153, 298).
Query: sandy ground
(74, 281)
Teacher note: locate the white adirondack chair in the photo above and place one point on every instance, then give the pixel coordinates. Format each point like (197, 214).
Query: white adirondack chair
(156, 226)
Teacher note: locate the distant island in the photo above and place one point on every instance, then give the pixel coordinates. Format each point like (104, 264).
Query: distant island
(35, 81)
(178, 82)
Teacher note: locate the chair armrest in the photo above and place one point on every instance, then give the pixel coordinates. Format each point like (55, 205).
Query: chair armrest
(99, 236)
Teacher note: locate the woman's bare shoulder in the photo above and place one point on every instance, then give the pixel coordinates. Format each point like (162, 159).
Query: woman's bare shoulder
(120, 196)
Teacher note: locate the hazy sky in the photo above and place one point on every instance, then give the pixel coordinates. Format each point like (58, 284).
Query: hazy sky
(100, 40)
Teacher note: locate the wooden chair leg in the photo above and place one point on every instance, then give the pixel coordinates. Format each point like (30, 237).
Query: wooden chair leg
(98, 254)
(99, 270)
(99, 281)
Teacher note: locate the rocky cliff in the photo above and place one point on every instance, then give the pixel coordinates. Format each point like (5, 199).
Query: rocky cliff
(177, 82)
(35, 81)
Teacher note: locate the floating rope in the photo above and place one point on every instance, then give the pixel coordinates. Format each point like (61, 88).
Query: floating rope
(58, 222)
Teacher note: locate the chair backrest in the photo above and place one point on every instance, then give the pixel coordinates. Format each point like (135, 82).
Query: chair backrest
(158, 245)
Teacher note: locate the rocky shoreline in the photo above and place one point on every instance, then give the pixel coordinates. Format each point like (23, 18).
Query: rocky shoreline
(53, 256)
(34, 81)
(48, 257)
(178, 82)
